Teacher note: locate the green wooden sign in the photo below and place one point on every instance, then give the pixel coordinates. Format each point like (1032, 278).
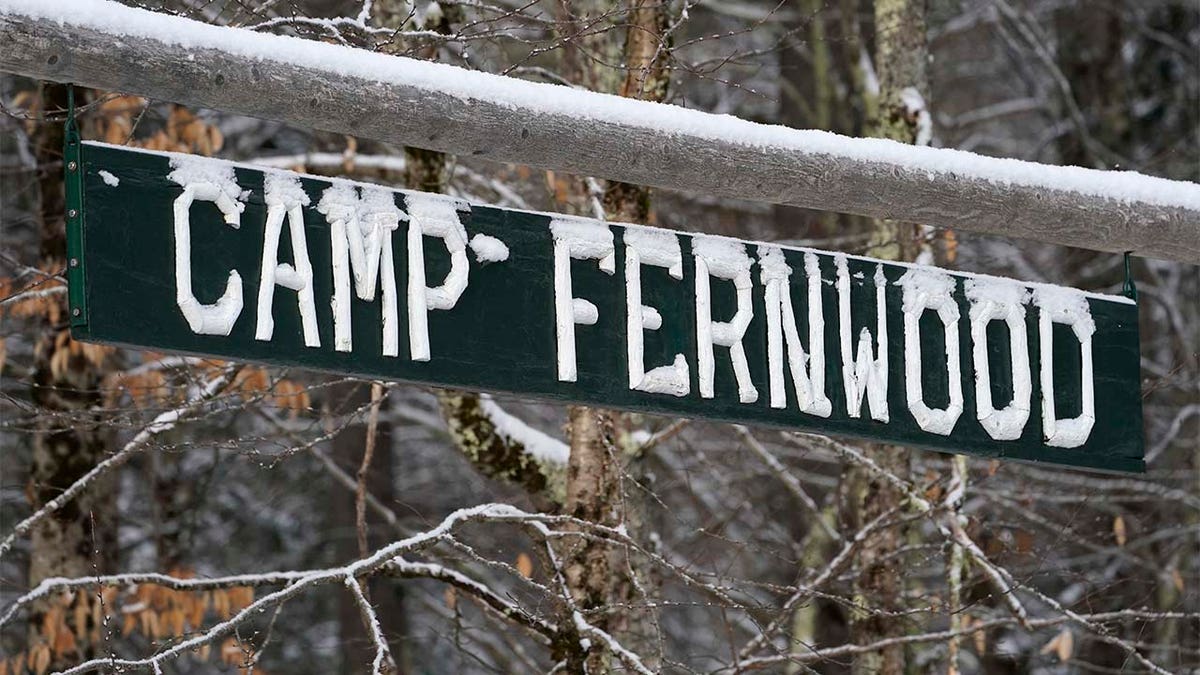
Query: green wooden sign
(185, 254)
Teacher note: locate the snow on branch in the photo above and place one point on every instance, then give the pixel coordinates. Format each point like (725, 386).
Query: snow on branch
(502, 446)
(162, 423)
(387, 560)
(383, 656)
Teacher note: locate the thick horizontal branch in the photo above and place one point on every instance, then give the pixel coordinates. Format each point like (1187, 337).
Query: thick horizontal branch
(102, 44)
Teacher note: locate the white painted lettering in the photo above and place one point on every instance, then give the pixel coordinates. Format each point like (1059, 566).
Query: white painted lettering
(435, 216)
(724, 259)
(863, 372)
(808, 370)
(285, 198)
(1000, 299)
(1066, 306)
(578, 239)
(661, 249)
(928, 289)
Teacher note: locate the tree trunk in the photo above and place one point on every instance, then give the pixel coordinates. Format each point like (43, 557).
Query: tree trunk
(78, 540)
(599, 577)
(900, 60)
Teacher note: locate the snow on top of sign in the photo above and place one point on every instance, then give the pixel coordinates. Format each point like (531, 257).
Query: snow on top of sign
(660, 244)
(655, 247)
(338, 201)
(539, 445)
(488, 249)
(1065, 304)
(186, 169)
(1003, 291)
(380, 203)
(283, 188)
(772, 264)
(429, 208)
(577, 226)
(928, 282)
(722, 254)
(467, 85)
(565, 226)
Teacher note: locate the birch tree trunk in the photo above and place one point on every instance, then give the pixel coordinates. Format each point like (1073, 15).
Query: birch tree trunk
(900, 59)
(599, 577)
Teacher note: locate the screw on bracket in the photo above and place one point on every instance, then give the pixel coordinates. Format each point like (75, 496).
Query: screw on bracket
(72, 165)
(72, 213)
(75, 312)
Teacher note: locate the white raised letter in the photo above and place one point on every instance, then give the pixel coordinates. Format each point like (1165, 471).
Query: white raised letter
(723, 259)
(438, 217)
(1063, 305)
(360, 238)
(285, 198)
(217, 318)
(999, 299)
(644, 246)
(808, 370)
(864, 372)
(927, 289)
(579, 239)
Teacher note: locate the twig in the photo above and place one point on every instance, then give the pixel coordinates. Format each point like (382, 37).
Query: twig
(360, 491)
(164, 422)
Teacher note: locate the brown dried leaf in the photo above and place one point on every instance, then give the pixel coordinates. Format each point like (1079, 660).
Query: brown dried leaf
(64, 642)
(195, 611)
(39, 659)
(525, 565)
(291, 396)
(1062, 646)
(220, 600)
(1177, 579)
(980, 639)
(451, 596)
(82, 609)
(252, 381)
(1025, 541)
(951, 240)
(240, 597)
(176, 620)
(1119, 530)
(97, 610)
(117, 130)
(51, 621)
(215, 139)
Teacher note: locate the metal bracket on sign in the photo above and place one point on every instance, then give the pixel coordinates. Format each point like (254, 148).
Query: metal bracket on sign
(1130, 289)
(73, 184)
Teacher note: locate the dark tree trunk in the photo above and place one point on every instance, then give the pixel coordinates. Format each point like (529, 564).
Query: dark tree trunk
(79, 539)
